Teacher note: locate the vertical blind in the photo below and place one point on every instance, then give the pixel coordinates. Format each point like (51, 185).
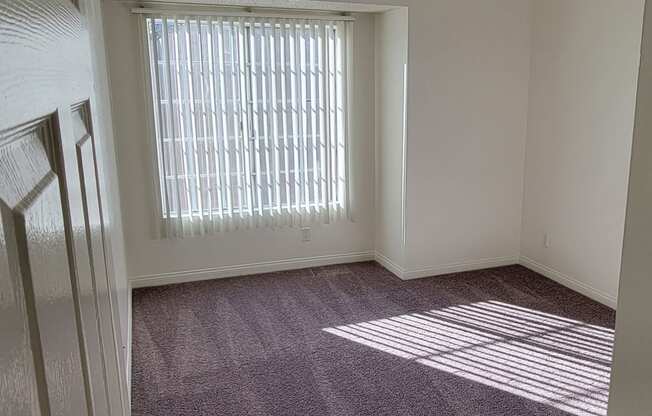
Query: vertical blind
(250, 120)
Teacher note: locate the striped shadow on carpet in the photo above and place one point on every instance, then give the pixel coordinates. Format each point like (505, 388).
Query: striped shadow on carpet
(355, 340)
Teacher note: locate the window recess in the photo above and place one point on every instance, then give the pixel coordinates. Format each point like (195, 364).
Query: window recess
(249, 116)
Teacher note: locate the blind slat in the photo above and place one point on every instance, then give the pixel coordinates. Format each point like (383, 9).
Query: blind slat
(294, 76)
(225, 148)
(266, 112)
(303, 127)
(273, 78)
(283, 44)
(194, 154)
(211, 163)
(155, 77)
(237, 121)
(174, 124)
(336, 118)
(314, 179)
(246, 116)
(251, 76)
(182, 118)
(327, 122)
(212, 76)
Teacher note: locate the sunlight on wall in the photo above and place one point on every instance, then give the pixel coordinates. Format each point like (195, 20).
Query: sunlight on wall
(542, 357)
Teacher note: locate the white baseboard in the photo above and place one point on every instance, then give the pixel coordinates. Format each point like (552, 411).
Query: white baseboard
(129, 337)
(407, 274)
(460, 267)
(247, 269)
(569, 282)
(387, 263)
(550, 273)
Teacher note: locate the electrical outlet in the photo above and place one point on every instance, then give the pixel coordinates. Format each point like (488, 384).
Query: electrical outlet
(306, 234)
(546, 240)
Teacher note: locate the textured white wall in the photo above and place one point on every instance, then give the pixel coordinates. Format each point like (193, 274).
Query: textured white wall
(468, 84)
(468, 70)
(585, 56)
(473, 72)
(390, 33)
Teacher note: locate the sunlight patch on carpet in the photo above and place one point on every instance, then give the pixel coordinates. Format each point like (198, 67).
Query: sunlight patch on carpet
(546, 358)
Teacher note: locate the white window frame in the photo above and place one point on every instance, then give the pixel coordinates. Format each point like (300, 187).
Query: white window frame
(162, 228)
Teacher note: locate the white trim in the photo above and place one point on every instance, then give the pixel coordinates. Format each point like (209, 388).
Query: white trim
(307, 16)
(290, 6)
(387, 263)
(407, 274)
(129, 338)
(404, 158)
(460, 267)
(569, 282)
(247, 269)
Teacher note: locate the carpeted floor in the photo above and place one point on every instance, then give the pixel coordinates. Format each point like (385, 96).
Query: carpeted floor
(355, 340)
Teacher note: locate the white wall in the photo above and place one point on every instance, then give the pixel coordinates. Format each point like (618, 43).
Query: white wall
(468, 69)
(631, 381)
(206, 256)
(482, 77)
(390, 32)
(103, 129)
(468, 84)
(585, 56)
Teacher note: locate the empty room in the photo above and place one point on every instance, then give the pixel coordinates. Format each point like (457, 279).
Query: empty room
(325, 208)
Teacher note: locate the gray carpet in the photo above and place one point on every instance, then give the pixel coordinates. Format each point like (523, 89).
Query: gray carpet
(355, 340)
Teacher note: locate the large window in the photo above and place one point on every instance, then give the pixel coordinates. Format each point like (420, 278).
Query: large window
(250, 120)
